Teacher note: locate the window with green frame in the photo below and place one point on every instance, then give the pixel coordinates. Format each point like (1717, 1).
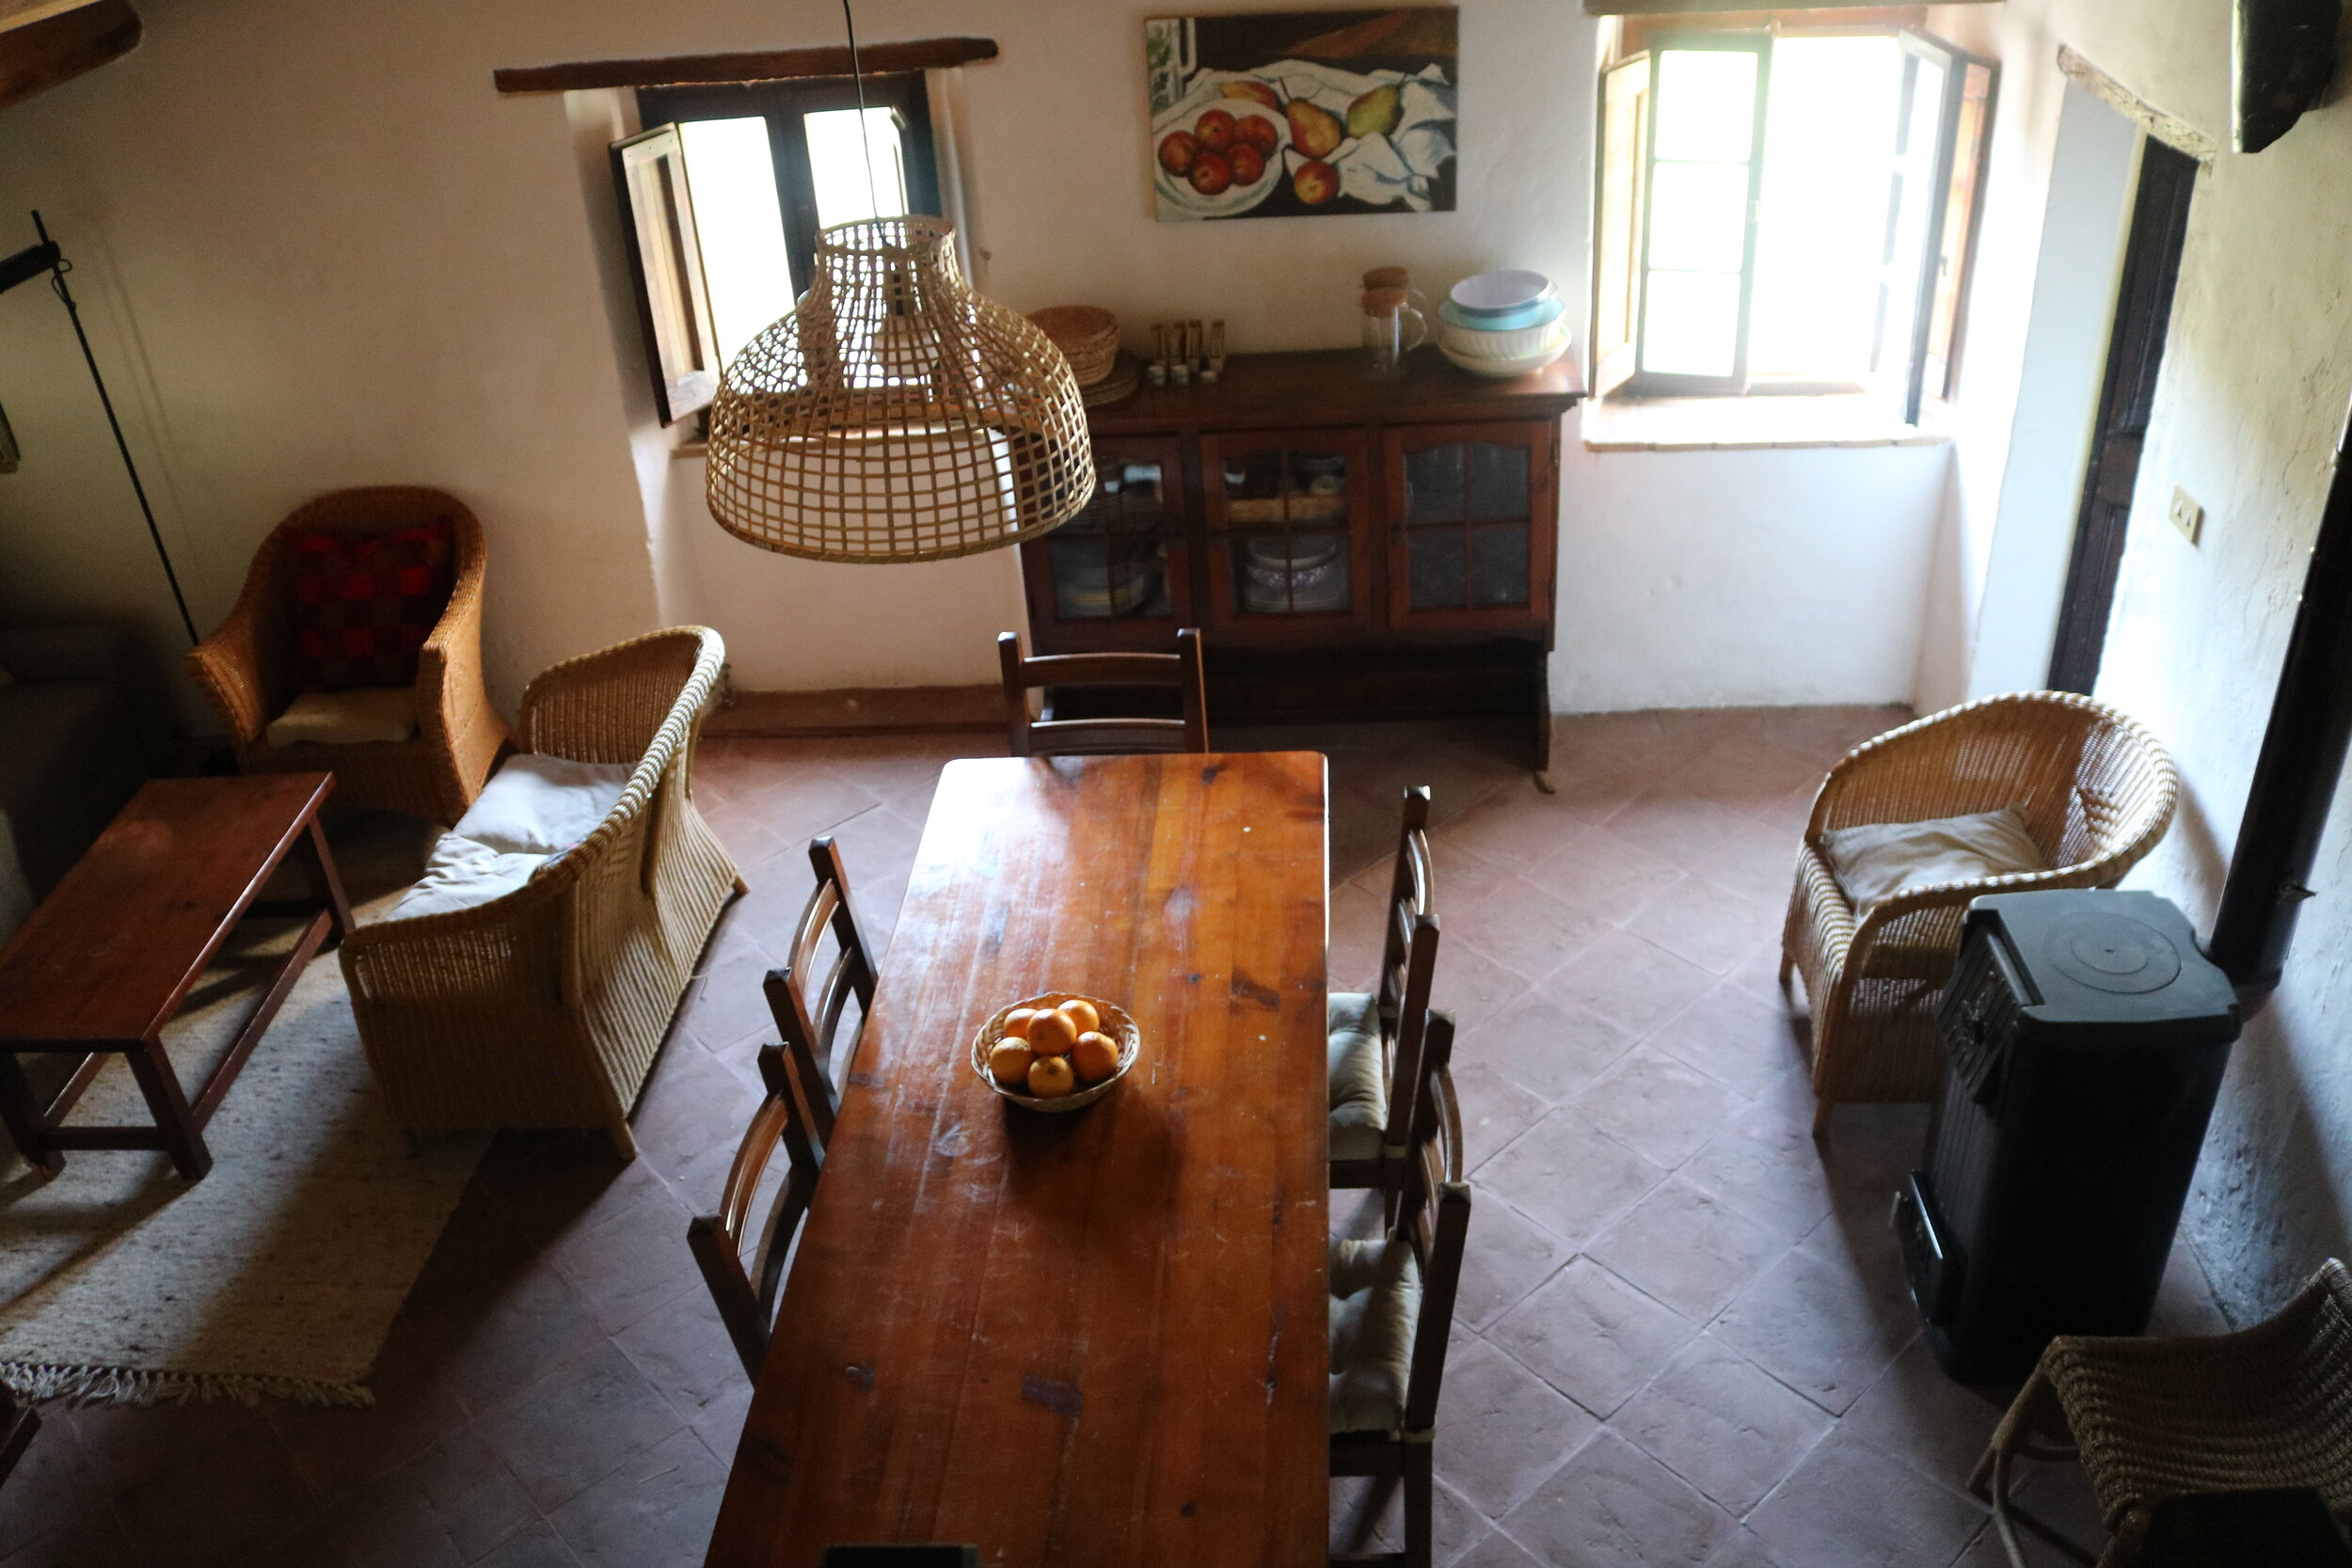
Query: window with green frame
(1786, 210)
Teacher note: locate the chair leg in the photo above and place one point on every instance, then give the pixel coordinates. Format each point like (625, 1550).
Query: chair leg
(1419, 1499)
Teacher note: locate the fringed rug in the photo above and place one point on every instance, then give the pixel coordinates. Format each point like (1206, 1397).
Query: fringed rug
(279, 1272)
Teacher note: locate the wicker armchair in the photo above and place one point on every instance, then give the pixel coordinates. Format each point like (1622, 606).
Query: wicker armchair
(545, 1007)
(2097, 792)
(2149, 1420)
(246, 668)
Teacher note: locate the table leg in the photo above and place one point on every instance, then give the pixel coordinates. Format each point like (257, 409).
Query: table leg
(318, 862)
(177, 1123)
(22, 1117)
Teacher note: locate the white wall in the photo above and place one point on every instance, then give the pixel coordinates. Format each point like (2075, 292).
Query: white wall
(1724, 578)
(2256, 375)
(2093, 167)
(321, 251)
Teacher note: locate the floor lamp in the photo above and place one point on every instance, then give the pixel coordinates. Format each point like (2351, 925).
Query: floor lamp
(24, 267)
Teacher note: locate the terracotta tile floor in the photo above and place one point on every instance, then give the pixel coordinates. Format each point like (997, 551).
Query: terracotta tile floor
(1682, 1338)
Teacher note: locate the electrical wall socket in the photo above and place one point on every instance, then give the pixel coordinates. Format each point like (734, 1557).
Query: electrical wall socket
(2187, 516)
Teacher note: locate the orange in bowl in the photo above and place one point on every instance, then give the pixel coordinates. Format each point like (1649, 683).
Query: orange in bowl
(1095, 1056)
(1052, 1034)
(1082, 1014)
(1009, 1063)
(1018, 1020)
(1050, 1077)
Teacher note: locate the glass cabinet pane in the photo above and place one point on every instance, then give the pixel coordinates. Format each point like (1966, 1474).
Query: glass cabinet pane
(1469, 528)
(1111, 560)
(1286, 513)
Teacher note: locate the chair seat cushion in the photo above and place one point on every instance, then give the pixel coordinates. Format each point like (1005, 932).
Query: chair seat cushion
(1877, 861)
(364, 605)
(1375, 1306)
(347, 718)
(462, 873)
(543, 805)
(1360, 1076)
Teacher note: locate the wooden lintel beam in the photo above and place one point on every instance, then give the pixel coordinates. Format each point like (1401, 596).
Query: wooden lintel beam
(41, 54)
(771, 64)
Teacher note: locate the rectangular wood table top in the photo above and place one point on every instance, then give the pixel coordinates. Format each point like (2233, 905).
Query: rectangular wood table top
(1095, 1339)
(108, 955)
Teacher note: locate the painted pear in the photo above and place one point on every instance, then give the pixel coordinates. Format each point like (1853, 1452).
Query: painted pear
(1316, 132)
(1376, 112)
(1252, 89)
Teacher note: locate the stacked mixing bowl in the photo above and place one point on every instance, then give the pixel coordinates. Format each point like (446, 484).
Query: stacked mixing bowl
(1504, 324)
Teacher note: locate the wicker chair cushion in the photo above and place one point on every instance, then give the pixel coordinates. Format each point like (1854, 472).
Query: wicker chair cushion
(1359, 1080)
(363, 605)
(543, 805)
(352, 718)
(1878, 860)
(1375, 1306)
(461, 874)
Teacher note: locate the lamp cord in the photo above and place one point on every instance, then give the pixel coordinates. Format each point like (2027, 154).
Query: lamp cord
(65, 295)
(865, 134)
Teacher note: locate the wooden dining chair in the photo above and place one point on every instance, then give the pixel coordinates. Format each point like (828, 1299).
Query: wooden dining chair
(745, 1290)
(1052, 736)
(1377, 1063)
(1392, 1312)
(809, 1015)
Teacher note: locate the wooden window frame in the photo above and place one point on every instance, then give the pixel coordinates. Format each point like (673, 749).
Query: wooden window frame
(1621, 223)
(782, 105)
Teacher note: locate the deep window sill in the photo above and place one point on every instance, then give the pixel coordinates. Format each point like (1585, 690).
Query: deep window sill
(1752, 425)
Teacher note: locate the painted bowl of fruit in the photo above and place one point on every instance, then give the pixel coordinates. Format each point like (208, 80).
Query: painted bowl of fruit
(1056, 1052)
(1219, 150)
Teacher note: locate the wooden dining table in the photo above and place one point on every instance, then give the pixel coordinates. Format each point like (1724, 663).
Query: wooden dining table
(1095, 1339)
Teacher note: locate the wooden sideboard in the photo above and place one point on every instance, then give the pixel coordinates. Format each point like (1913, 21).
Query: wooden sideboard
(1350, 547)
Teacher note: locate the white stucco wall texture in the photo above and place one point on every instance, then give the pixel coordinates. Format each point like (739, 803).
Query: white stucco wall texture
(319, 250)
(2257, 373)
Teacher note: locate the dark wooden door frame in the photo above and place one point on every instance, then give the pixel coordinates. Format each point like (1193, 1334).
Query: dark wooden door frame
(2143, 310)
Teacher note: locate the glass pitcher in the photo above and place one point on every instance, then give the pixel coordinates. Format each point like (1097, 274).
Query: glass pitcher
(1392, 329)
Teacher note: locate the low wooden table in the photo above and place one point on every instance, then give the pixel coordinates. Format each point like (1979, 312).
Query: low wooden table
(1091, 1340)
(102, 965)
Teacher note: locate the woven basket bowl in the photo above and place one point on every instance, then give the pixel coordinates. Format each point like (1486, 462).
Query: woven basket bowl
(1087, 335)
(1115, 1024)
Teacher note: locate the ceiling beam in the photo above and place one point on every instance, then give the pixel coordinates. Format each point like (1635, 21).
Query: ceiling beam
(771, 64)
(40, 54)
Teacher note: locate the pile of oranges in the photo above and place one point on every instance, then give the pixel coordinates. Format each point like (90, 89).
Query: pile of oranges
(1051, 1051)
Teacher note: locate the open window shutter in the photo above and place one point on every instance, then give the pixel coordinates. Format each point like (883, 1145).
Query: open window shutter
(1704, 167)
(1956, 251)
(666, 261)
(1924, 247)
(1616, 262)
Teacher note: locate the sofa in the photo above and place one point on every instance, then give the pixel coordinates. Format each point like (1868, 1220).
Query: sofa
(82, 725)
(530, 978)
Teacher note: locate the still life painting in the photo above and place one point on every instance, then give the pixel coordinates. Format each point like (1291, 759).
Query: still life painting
(1296, 114)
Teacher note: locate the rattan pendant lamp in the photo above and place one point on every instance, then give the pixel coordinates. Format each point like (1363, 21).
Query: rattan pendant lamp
(896, 415)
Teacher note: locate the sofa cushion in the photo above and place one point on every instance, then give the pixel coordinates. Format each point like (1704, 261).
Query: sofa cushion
(1358, 1075)
(1876, 861)
(70, 756)
(352, 718)
(461, 874)
(364, 605)
(543, 805)
(1375, 1306)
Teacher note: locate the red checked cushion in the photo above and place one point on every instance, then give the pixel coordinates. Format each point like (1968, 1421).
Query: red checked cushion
(364, 606)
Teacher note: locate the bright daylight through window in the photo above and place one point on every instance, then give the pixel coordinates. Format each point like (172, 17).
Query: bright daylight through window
(1786, 213)
(771, 165)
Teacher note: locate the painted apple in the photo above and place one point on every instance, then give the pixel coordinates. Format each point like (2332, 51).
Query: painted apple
(1216, 130)
(1248, 164)
(1210, 173)
(1315, 181)
(1257, 132)
(1177, 150)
